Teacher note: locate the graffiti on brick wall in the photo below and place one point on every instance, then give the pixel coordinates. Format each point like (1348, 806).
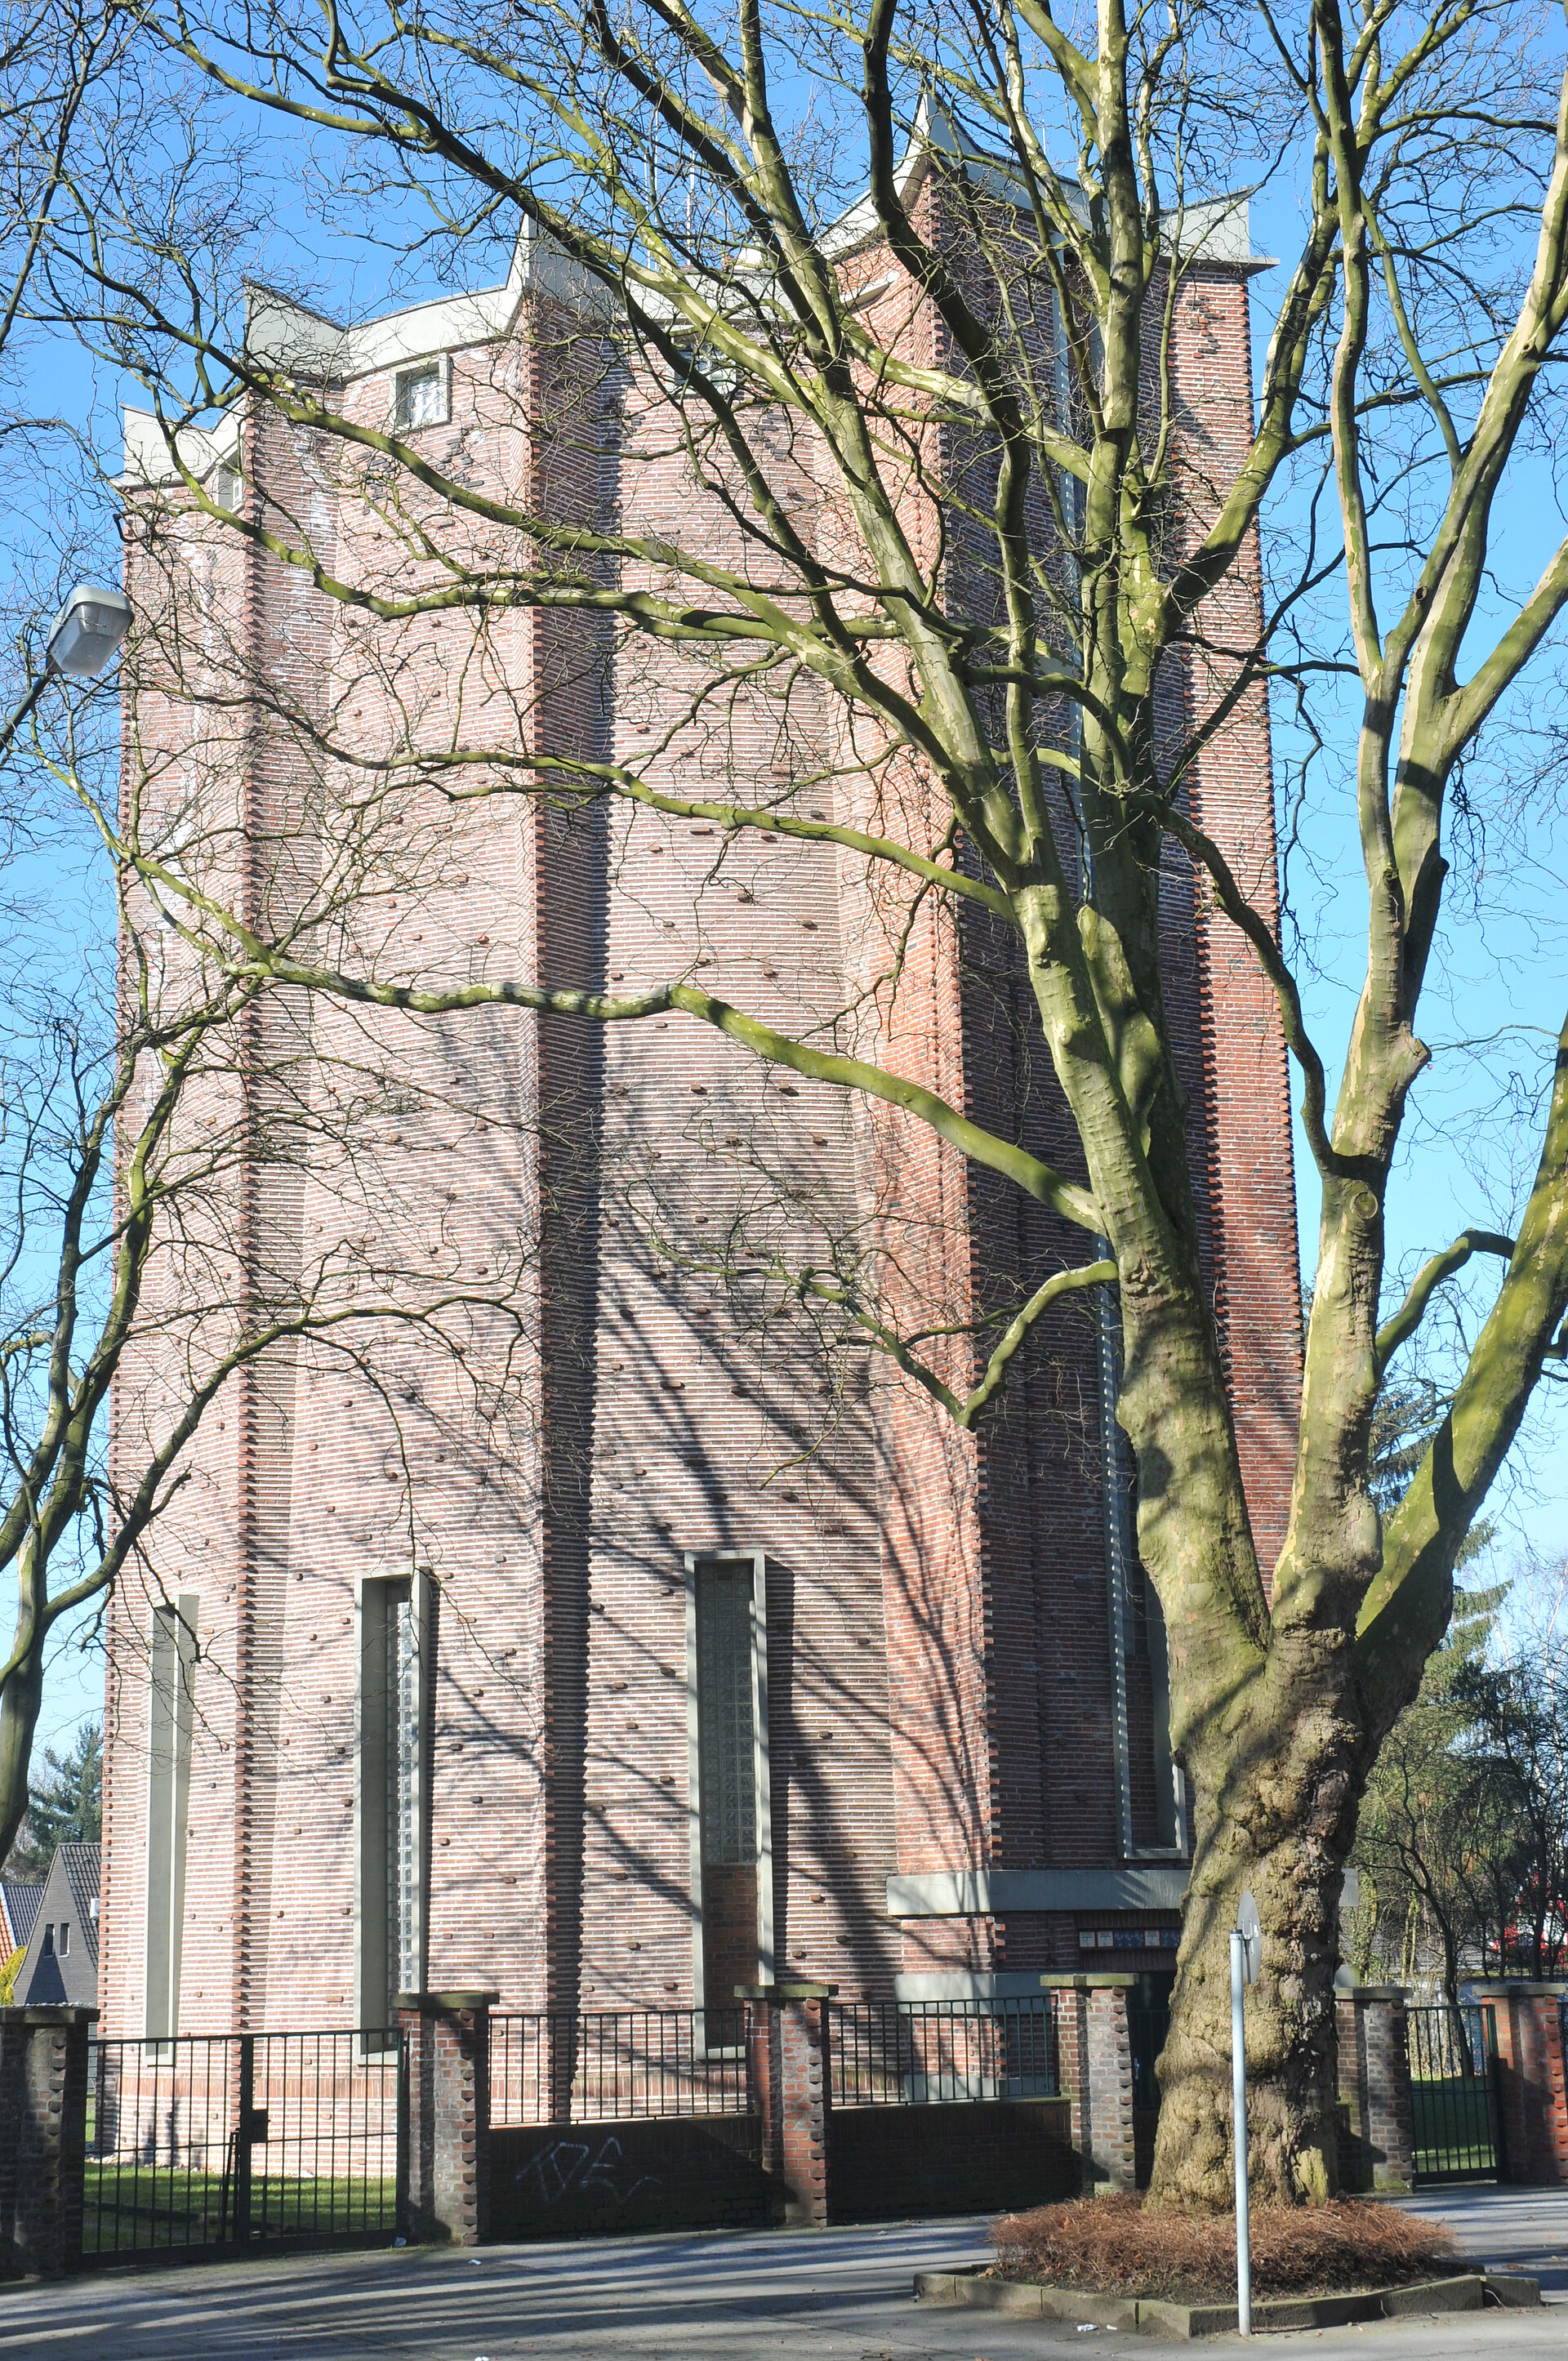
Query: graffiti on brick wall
(576, 2169)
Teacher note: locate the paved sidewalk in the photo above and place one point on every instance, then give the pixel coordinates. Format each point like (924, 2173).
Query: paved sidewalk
(835, 2295)
(1513, 2229)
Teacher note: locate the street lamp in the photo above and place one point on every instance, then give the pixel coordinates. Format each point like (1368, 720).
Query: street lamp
(83, 638)
(87, 631)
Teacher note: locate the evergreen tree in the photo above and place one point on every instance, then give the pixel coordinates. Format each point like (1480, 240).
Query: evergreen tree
(66, 1807)
(1439, 1835)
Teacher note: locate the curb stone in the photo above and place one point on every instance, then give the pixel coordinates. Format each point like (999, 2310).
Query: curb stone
(1022, 2299)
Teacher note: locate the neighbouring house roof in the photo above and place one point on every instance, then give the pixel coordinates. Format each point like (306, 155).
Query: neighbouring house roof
(81, 1876)
(18, 1908)
(63, 1966)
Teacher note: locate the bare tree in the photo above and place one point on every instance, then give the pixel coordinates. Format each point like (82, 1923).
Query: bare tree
(128, 1129)
(1520, 1747)
(1022, 606)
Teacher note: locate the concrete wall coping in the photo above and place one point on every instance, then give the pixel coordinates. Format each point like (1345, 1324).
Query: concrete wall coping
(985, 1893)
(50, 2013)
(446, 2004)
(1504, 1987)
(1088, 1983)
(995, 1983)
(793, 1990)
(1376, 1992)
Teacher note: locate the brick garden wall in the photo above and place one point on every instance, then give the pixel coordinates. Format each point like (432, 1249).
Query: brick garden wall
(562, 2181)
(890, 2164)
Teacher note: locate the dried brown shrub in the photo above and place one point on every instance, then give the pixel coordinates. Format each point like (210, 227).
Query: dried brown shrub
(1117, 2245)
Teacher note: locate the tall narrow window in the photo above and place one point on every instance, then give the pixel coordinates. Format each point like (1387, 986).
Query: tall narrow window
(732, 1846)
(395, 1653)
(1151, 1803)
(171, 1715)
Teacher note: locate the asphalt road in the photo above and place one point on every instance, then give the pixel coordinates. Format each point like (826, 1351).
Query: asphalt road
(835, 2295)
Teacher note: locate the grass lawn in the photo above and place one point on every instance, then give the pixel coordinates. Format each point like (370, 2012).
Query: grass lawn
(133, 2208)
(1451, 2120)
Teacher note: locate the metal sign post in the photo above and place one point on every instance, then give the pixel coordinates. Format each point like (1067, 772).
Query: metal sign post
(1246, 1958)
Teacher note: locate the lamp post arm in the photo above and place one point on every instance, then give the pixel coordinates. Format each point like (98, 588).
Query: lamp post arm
(10, 728)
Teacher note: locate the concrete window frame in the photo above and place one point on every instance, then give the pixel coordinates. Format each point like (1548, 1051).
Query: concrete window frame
(172, 1657)
(412, 412)
(762, 1774)
(376, 1595)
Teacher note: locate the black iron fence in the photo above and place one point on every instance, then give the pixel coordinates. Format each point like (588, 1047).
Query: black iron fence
(238, 2140)
(925, 2053)
(1454, 2092)
(566, 2066)
(626, 2064)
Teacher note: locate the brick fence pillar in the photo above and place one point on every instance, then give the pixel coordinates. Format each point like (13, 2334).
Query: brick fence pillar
(444, 2144)
(1531, 2096)
(796, 2094)
(1377, 2125)
(1094, 2060)
(43, 2137)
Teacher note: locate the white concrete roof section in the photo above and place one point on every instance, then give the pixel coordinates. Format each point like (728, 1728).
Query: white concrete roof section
(289, 336)
(1212, 229)
(146, 457)
(286, 335)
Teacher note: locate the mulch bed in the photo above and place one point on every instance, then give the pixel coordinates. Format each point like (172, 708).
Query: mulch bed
(1117, 2245)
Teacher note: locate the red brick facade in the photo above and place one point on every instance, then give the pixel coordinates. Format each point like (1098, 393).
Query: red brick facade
(942, 1706)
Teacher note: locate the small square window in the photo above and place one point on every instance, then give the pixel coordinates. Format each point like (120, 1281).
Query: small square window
(420, 396)
(226, 487)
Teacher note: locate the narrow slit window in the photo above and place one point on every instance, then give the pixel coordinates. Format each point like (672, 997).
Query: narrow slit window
(731, 1847)
(393, 1788)
(1150, 1792)
(728, 1743)
(170, 1717)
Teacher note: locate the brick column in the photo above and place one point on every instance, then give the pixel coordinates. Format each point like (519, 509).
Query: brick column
(444, 2144)
(43, 2137)
(797, 2095)
(1378, 2135)
(1532, 2099)
(1094, 2061)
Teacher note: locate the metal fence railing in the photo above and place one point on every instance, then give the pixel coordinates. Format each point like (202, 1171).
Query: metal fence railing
(924, 2053)
(237, 2140)
(566, 2066)
(1453, 2093)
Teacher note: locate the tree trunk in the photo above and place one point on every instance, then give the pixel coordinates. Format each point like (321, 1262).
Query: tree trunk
(1281, 1828)
(20, 1701)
